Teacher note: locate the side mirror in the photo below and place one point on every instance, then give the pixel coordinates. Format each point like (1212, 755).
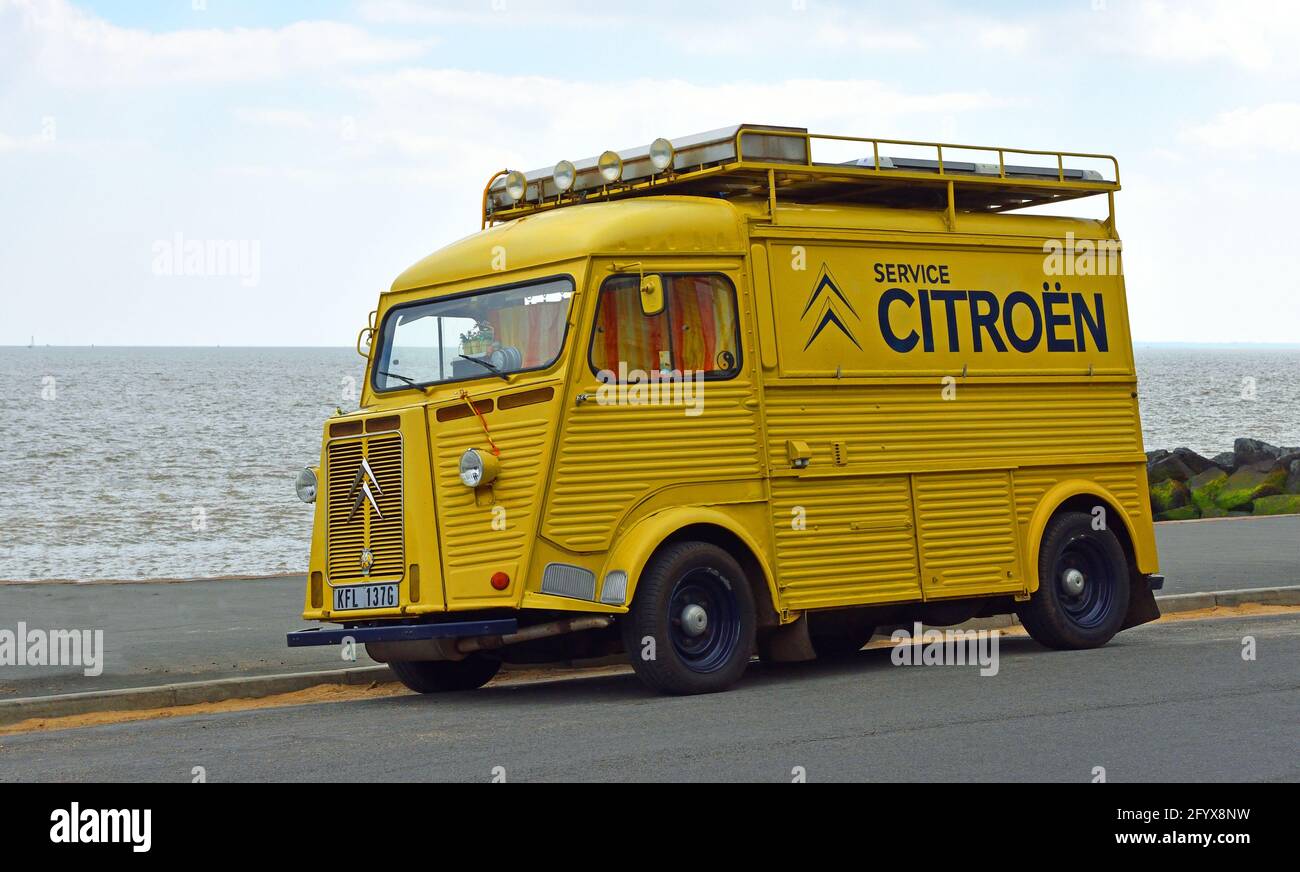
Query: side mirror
(367, 335)
(652, 295)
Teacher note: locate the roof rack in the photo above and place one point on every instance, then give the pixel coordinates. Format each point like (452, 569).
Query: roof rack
(767, 161)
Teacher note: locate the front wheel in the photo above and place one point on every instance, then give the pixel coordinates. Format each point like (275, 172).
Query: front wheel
(442, 676)
(1083, 585)
(692, 622)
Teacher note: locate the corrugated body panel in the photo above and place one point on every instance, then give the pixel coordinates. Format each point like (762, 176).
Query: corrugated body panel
(1123, 480)
(612, 456)
(468, 537)
(966, 533)
(900, 424)
(348, 532)
(856, 545)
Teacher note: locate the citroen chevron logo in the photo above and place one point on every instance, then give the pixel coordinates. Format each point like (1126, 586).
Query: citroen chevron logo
(360, 490)
(833, 302)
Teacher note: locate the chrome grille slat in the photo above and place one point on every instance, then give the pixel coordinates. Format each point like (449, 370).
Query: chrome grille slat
(344, 540)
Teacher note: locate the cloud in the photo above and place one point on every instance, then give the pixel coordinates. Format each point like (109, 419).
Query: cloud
(71, 47)
(526, 114)
(295, 119)
(1256, 36)
(716, 31)
(1271, 127)
(565, 14)
(1004, 37)
(31, 142)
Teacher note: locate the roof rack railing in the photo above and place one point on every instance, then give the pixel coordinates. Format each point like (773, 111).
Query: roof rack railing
(757, 160)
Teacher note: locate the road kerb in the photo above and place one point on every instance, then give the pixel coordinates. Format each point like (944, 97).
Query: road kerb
(163, 696)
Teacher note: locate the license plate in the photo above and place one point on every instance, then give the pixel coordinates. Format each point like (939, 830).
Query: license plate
(365, 596)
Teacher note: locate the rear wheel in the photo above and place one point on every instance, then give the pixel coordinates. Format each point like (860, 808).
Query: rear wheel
(441, 676)
(838, 634)
(691, 625)
(1083, 585)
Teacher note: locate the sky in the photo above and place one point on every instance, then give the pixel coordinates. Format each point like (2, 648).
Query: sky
(327, 146)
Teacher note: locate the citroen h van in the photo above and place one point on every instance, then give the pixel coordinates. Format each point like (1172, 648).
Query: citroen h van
(722, 396)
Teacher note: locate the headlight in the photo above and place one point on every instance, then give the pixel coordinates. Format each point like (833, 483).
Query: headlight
(477, 467)
(306, 485)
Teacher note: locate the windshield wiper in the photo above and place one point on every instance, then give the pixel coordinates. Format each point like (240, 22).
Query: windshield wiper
(410, 381)
(489, 366)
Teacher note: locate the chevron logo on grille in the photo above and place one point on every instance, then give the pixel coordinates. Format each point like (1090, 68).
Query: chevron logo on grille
(361, 491)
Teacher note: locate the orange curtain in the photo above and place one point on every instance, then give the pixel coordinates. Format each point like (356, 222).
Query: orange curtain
(626, 335)
(704, 321)
(699, 324)
(535, 330)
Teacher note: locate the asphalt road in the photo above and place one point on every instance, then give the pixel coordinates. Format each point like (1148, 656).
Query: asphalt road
(188, 631)
(1166, 702)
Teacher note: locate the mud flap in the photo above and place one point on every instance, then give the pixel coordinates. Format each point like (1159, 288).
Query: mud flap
(1142, 606)
(788, 643)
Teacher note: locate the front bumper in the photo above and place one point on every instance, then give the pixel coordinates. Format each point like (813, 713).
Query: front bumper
(403, 632)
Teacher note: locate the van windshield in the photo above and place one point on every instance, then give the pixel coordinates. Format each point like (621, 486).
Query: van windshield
(481, 334)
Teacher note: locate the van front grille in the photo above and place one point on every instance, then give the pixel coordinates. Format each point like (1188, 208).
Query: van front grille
(357, 530)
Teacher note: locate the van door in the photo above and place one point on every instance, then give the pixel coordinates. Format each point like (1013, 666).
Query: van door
(663, 408)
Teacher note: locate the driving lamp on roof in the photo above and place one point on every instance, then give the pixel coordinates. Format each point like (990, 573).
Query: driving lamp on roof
(564, 174)
(516, 185)
(611, 166)
(661, 154)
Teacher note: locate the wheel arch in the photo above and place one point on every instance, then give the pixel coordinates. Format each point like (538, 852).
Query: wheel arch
(1082, 496)
(702, 524)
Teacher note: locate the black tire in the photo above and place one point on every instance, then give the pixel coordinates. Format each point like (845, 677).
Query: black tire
(1090, 613)
(838, 634)
(442, 676)
(690, 657)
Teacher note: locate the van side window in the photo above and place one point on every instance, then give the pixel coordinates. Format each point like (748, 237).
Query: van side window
(698, 330)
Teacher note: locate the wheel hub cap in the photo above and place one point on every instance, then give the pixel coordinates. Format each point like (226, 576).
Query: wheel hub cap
(695, 620)
(1072, 581)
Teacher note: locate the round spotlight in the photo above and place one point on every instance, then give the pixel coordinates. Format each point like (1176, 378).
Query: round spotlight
(661, 154)
(516, 185)
(611, 166)
(564, 175)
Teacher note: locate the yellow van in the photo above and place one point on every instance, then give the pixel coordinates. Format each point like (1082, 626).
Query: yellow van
(719, 396)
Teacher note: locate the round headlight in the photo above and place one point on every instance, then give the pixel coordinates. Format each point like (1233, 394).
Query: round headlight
(564, 174)
(661, 154)
(516, 185)
(306, 485)
(611, 166)
(477, 467)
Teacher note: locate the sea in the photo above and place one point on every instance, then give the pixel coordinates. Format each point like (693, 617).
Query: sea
(179, 463)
